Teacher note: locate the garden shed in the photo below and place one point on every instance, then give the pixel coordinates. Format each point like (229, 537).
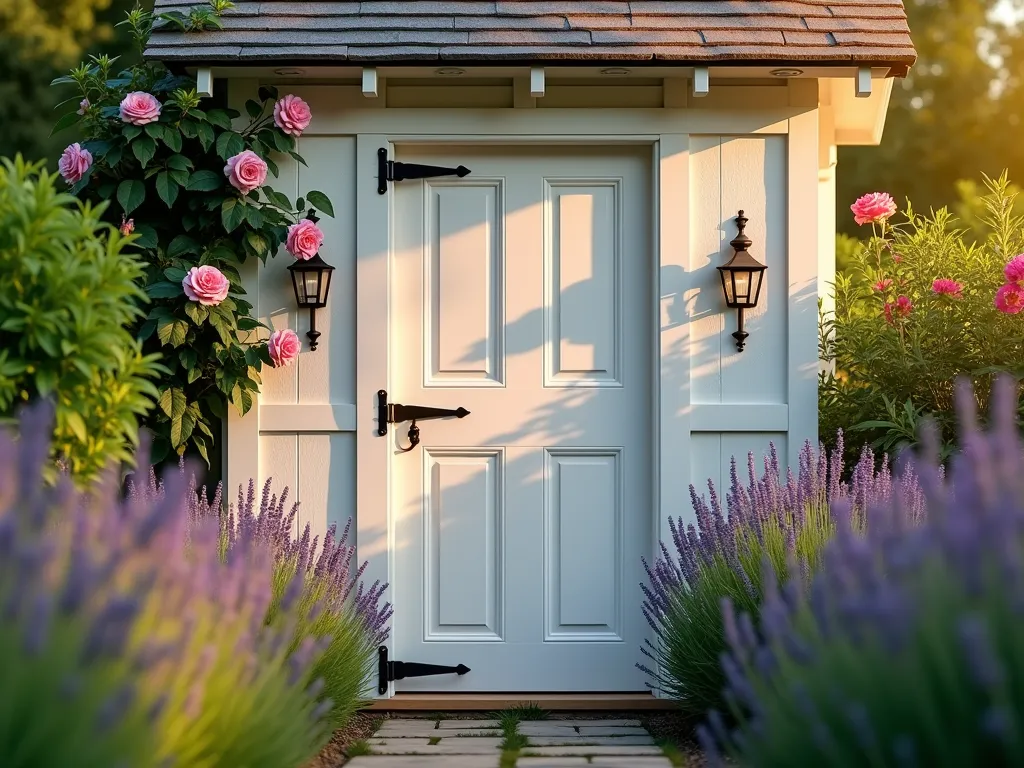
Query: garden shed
(532, 200)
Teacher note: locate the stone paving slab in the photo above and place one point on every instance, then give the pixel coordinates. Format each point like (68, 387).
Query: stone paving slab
(583, 750)
(607, 723)
(451, 761)
(467, 724)
(457, 747)
(604, 731)
(548, 728)
(605, 741)
(475, 741)
(633, 762)
(550, 762)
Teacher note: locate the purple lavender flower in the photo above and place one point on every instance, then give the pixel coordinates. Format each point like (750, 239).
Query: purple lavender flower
(785, 517)
(907, 647)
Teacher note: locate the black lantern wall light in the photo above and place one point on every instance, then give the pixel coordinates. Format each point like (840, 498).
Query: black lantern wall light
(311, 280)
(741, 279)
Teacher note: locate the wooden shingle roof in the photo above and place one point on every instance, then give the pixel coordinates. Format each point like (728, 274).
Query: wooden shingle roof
(566, 31)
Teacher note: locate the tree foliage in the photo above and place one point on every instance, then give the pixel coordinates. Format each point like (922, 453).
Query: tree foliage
(956, 116)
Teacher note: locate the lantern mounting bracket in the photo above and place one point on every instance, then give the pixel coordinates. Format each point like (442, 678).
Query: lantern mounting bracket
(393, 170)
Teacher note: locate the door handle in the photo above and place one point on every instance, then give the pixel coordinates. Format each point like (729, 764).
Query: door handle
(396, 413)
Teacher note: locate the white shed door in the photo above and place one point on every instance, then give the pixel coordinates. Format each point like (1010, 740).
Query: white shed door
(523, 293)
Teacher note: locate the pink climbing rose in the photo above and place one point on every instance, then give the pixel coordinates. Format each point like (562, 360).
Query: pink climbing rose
(1010, 299)
(246, 171)
(304, 239)
(127, 225)
(74, 162)
(946, 287)
(140, 108)
(1014, 271)
(898, 309)
(284, 347)
(292, 115)
(206, 284)
(882, 285)
(873, 208)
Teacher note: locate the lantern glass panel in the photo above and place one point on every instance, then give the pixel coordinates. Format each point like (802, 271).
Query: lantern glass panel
(312, 287)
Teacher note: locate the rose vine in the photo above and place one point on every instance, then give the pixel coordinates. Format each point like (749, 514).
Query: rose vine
(191, 189)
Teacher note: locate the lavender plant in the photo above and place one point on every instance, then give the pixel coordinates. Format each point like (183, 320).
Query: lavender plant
(332, 606)
(786, 523)
(335, 607)
(124, 641)
(906, 650)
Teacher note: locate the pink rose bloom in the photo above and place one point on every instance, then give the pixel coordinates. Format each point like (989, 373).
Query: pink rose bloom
(246, 171)
(947, 287)
(1014, 271)
(1010, 299)
(140, 108)
(872, 208)
(304, 239)
(292, 115)
(882, 284)
(284, 347)
(83, 106)
(127, 225)
(206, 284)
(74, 162)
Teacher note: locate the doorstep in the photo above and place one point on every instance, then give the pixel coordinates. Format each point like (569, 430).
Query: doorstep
(490, 702)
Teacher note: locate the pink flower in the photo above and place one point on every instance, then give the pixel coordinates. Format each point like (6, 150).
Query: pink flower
(304, 239)
(897, 258)
(882, 284)
(140, 108)
(83, 106)
(127, 225)
(246, 171)
(1010, 299)
(900, 308)
(872, 208)
(74, 162)
(206, 284)
(284, 347)
(945, 286)
(1014, 271)
(292, 115)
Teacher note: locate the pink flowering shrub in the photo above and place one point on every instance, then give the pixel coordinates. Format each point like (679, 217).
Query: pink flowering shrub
(917, 305)
(192, 183)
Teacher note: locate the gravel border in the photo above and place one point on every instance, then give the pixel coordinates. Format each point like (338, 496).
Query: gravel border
(362, 726)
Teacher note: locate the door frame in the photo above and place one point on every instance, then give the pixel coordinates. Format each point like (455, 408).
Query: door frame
(374, 256)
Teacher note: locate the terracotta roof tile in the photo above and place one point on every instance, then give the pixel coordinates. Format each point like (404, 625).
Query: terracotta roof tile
(694, 31)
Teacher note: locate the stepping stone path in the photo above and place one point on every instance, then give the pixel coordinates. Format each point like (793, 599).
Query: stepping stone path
(447, 743)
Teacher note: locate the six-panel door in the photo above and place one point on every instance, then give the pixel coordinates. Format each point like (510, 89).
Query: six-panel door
(524, 294)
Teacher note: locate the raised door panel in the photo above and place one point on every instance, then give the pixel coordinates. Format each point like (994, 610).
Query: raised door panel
(464, 279)
(583, 544)
(463, 544)
(582, 275)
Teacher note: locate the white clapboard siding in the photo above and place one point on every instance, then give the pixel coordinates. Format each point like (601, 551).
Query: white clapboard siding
(307, 410)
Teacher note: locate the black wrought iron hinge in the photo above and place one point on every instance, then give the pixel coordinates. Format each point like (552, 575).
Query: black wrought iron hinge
(393, 170)
(389, 671)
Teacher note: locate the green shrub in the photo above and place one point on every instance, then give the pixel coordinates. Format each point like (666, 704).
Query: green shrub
(918, 305)
(906, 650)
(68, 292)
